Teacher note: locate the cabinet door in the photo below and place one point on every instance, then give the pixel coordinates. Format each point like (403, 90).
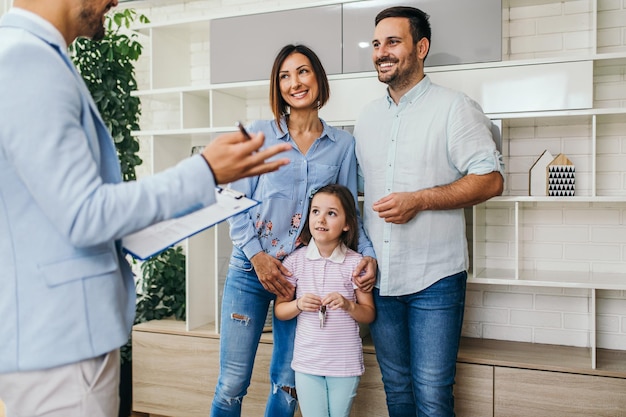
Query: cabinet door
(456, 36)
(473, 390)
(243, 48)
(174, 374)
(528, 393)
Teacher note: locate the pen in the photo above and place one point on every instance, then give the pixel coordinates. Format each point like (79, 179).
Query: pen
(243, 130)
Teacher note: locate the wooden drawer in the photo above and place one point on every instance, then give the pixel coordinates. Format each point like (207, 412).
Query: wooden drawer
(473, 391)
(530, 393)
(173, 375)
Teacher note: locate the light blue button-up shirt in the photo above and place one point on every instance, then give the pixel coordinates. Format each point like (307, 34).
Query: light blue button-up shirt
(275, 225)
(432, 137)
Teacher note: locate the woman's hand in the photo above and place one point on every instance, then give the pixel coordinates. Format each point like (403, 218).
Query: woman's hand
(271, 274)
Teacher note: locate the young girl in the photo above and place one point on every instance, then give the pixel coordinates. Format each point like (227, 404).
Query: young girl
(328, 356)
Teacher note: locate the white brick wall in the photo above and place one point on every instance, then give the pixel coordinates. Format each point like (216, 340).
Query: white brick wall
(551, 29)
(577, 237)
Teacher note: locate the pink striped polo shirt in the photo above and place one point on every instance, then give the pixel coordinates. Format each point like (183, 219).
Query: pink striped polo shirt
(336, 349)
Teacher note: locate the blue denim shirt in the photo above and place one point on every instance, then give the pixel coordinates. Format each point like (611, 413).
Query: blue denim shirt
(432, 137)
(274, 225)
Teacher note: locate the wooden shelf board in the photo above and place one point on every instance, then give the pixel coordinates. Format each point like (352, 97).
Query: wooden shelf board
(536, 356)
(510, 354)
(178, 327)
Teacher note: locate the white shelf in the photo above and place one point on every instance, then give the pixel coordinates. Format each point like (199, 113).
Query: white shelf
(561, 200)
(554, 279)
(565, 114)
(244, 90)
(185, 133)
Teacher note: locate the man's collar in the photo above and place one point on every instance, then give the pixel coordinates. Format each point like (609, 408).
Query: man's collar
(411, 95)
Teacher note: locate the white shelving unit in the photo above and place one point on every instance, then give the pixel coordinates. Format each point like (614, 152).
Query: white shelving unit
(569, 99)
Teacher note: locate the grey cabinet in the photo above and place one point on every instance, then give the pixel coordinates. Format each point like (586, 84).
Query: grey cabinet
(243, 48)
(463, 32)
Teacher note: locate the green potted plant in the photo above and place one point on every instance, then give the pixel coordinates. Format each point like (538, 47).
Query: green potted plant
(108, 68)
(162, 289)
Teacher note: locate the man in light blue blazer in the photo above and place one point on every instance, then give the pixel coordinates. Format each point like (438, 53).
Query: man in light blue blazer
(66, 292)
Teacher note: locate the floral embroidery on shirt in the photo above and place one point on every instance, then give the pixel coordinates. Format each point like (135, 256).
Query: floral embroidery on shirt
(295, 223)
(264, 229)
(282, 253)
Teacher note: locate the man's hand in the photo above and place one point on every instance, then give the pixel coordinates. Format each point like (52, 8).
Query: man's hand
(467, 191)
(271, 274)
(232, 156)
(364, 276)
(398, 208)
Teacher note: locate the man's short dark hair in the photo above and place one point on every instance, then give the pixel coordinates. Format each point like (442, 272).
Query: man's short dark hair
(420, 26)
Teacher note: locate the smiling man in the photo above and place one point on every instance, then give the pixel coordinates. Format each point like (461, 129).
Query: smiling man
(67, 296)
(425, 153)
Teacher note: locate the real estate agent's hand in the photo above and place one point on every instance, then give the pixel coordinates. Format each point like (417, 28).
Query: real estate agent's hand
(232, 156)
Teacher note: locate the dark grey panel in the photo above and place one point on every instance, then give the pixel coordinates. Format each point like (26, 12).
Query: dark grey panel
(243, 48)
(463, 31)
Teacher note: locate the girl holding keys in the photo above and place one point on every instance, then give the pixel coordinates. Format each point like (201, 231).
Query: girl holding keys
(328, 355)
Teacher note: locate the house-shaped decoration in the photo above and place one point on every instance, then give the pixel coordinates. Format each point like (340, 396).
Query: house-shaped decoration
(561, 177)
(538, 175)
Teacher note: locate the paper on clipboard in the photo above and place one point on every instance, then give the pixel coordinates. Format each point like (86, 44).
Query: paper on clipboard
(156, 238)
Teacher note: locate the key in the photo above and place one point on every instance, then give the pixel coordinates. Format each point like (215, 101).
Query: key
(322, 316)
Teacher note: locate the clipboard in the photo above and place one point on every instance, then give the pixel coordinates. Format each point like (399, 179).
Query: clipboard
(154, 239)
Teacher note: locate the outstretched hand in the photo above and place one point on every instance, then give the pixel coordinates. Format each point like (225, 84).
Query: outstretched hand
(232, 156)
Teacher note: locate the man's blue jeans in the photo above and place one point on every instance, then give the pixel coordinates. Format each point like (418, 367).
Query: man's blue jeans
(416, 337)
(244, 309)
